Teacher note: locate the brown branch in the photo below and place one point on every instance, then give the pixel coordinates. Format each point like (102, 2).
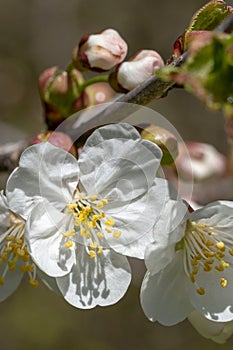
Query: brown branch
(153, 88)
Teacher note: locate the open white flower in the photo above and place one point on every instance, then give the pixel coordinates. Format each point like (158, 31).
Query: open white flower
(191, 268)
(15, 260)
(97, 207)
(14, 257)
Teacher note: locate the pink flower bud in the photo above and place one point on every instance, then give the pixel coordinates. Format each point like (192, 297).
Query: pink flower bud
(45, 78)
(99, 93)
(205, 162)
(56, 138)
(100, 52)
(60, 95)
(134, 72)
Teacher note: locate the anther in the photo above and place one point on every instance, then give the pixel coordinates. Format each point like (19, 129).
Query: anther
(68, 244)
(201, 291)
(223, 282)
(109, 222)
(116, 233)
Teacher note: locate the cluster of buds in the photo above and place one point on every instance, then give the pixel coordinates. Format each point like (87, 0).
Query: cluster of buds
(64, 92)
(103, 51)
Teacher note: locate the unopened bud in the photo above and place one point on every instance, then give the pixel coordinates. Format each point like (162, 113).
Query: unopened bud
(100, 52)
(59, 92)
(56, 138)
(164, 139)
(81, 102)
(45, 78)
(201, 162)
(134, 72)
(99, 93)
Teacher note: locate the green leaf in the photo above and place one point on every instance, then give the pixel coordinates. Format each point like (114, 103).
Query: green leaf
(209, 16)
(207, 72)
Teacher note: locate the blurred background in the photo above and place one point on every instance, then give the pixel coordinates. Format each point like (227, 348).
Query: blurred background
(37, 34)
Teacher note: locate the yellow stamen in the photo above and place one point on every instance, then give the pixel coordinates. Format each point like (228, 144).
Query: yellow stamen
(93, 245)
(27, 268)
(4, 256)
(219, 268)
(100, 205)
(92, 254)
(100, 235)
(2, 281)
(116, 233)
(220, 245)
(192, 277)
(231, 251)
(68, 244)
(11, 265)
(93, 198)
(201, 291)
(100, 250)
(33, 283)
(223, 282)
(110, 222)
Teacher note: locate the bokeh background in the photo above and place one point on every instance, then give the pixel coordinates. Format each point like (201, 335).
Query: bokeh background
(37, 34)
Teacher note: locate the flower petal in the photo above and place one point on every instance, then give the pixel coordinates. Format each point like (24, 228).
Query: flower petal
(50, 282)
(216, 303)
(12, 280)
(137, 220)
(216, 215)
(43, 233)
(164, 297)
(216, 331)
(4, 213)
(99, 281)
(117, 167)
(44, 171)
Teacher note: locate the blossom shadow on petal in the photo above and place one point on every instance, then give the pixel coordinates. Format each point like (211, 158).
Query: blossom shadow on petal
(95, 281)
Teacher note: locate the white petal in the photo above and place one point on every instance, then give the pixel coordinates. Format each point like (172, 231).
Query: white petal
(119, 168)
(216, 331)
(4, 213)
(136, 220)
(217, 302)
(227, 203)
(112, 131)
(164, 296)
(43, 233)
(101, 281)
(12, 280)
(50, 282)
(216, 215)
(168, 231)
(44, 171)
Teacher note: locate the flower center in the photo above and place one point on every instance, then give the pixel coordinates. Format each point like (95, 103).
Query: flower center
(205, 249)
(13, 249)
(89, 222)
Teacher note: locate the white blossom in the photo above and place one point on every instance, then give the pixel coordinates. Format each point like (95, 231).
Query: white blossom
(91, 211)
(191, 267)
